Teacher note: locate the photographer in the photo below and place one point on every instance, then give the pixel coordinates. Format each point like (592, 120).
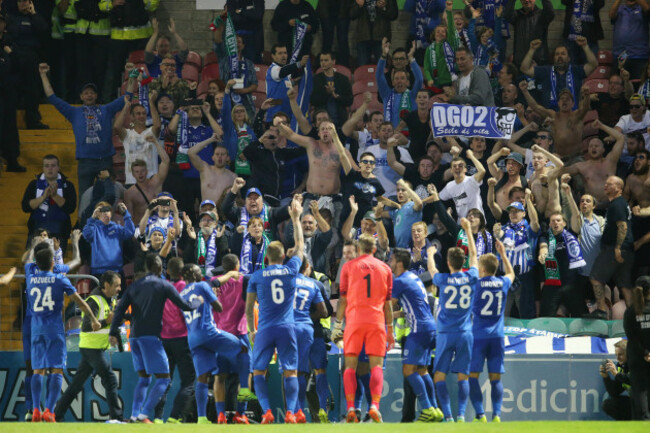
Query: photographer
(617, 382)
(162, 212)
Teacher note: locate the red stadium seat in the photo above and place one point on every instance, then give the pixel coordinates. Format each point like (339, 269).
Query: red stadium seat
(365, 73)
(597, 86)
(258, 98)
(136, 56)
(210, 72)
(267, 58)
(194, 58)
(210, 58)
(589, 131)
(605, 58)
(190, 72)
(202, 89)
(374, 105)
(261, 86)
(360, 87)
(260, 72)
(601, 72)
(590, 116)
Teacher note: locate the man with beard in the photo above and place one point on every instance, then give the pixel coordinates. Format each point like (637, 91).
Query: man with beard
(634, 143)
(551, 79)
(597, 167)
(613, 104)
(317, 234)
(278, 79)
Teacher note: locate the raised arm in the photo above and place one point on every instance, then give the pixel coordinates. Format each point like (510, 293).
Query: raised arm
(576, 218)
(417, 201)
(495, 171)
(532, 212)
(193, 152)
(322, 225)
(118, 125)
(391, 158)
(303, 123)
(615, 154)
(480, 170)
(43, 69)
(76, 257)
(151, 43)
(295, 210)
(346, 229)
(431, 260)
(382, 235)
(182, 45)
(544, 112)
(343, 154)
(300, 140)
(527, 62)
(211, 120)
(592, 62)
(349, 126)
(471, 245)
(512, 143)
(491, 199)
(557, 162)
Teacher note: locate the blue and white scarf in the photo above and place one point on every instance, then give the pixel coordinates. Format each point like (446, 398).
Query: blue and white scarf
(206, 257)
(244, 216)
(183, 140)
(92, 114)
(299, 32)
(247, 265)
(518, 249)
(230, 38)
(41, 186)
(569, 84)
(152, 223)
(404, 104)
(143, 98)
(421, 23)
(583, 11)
(645, 90)
(449, 56)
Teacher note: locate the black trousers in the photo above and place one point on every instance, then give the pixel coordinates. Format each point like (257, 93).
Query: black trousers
(91, 69)
(29, 87)
(178, 354)
(618, 407)
(569, 295)
(91, 360)
(118, 53)
(9, 139)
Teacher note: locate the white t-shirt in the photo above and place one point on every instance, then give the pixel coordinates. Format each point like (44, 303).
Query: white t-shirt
(386, 175)
(463, 84)
(466, 195)
(137, 147)
(365, 140)
(627, 125)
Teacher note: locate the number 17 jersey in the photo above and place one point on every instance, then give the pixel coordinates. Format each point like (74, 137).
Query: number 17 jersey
(455, 298)
(367, 283)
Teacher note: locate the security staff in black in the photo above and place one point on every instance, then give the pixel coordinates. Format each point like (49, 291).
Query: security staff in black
(92, 347)
(636, 322)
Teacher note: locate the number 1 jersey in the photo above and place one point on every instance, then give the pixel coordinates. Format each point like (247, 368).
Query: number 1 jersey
(455, 296)
(367, 283)
(45, 296)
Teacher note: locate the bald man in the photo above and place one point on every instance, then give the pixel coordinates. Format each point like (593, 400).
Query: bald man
(616, 255)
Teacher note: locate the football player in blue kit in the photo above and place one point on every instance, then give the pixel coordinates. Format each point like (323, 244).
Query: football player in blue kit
(274, 288)
(489, 307)
(308, 304)
(45, 290)
(207, 342)
(409, 291)
(454, 323)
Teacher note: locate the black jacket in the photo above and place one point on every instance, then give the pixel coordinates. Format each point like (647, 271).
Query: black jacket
(267, 167)
(56, 219)
(528, 27)
(286, 11)
(233, 213)
(319, 95)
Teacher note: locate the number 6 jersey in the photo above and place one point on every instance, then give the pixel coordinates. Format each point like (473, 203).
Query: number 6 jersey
(45, 297)
(455, 298)
(367, 283)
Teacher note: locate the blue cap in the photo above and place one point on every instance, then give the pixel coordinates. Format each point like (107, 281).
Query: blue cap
(253, 190)
(517, 205)
(204, 202)
(165, 194)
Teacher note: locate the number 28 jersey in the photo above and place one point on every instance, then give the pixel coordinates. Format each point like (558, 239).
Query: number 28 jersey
(455, 297)
(489, 306)
(367, 284)
(275, 287)
(45, 296)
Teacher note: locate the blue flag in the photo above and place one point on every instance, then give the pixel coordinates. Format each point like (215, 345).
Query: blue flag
(469, 121)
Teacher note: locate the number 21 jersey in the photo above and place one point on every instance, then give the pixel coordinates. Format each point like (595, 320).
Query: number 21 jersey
(367, 283)
(45, 296)
(455, 297)
(489, 306)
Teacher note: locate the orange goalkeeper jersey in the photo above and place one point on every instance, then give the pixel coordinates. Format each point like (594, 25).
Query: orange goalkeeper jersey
(366, 282)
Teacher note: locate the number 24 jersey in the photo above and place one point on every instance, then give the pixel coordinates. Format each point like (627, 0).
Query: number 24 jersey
(367, 283)
(45, 296)
(455, 298)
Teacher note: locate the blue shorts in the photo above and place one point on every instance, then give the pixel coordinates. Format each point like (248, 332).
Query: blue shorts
(456, 346)
(48, 351)
(492, 349)
(305, 339)
(418, 347)
(280, 337)
(229, 365)
(223, 345)
(27, 338)
(318, 354)
(149, 355)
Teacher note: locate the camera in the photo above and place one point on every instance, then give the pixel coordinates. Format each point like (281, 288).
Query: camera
(272, 137)
(604, 363)
(163, 202)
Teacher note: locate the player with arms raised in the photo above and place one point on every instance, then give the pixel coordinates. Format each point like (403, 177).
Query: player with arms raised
(45, 291)
(365, 286)
(274, 287)
(454, 327)
(489, 307)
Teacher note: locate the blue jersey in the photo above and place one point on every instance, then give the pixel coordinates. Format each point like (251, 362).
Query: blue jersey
(31, 268)
(410, 291)
(45, 297)
(275, 287)
(308, 293)
(200, 322)
(455, 295)
(489, 306)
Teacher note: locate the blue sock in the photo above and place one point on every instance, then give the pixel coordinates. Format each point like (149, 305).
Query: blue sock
(322, 389)
(154, 396)
(291, 392)
(221, 407)
(243, 368)
(365, 379)
(443, 398)
(476, 396)
(416, 382)
(302, 391)
(463, 393)
(37, 385)
(201, 395)
(53, 390)
(241, 407)
(28, 392)
(262, 392)
(497, 396)
(139, 393)
(358, 396)
(431, 391)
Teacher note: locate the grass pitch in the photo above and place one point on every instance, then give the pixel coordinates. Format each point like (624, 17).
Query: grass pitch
(505, 427)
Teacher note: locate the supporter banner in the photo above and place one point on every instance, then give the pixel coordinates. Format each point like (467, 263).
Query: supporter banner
(272, 4)
(536, 387)
(469, 121)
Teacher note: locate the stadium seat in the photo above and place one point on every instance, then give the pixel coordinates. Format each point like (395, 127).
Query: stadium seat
(360, 87)
(594, 328)
(589, 131)
(202, 89)
(617, 329)
(341, 70)
(374, 105)
(511, 321)
(267, 58)
(605, 58)
(260, 72)
(550, 324)
(597, 86)
(590, 116)
(136, 56)
(210, 72)
(601, 72)
(210, 58)
(190, 72)
(261, 86)
(365, 73)
(194, 58)
(258, 98)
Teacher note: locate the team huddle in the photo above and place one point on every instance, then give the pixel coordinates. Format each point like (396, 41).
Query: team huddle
(283, 309)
